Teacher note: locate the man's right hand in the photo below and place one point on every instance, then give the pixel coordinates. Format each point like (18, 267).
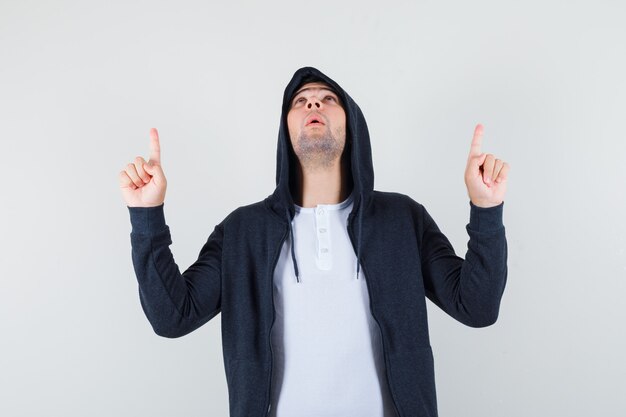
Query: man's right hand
(143, 184)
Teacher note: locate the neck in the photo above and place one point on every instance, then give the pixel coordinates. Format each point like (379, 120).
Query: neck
(321, 186)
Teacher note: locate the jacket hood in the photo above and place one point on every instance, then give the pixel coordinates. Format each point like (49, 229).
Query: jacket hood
(357, 144)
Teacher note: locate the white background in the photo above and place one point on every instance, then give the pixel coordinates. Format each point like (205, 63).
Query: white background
(81, 83)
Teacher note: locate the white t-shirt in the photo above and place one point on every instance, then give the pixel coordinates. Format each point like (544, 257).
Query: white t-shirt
(328, 359)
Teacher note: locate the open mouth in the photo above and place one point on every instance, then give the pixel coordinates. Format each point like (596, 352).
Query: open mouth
(315, 121)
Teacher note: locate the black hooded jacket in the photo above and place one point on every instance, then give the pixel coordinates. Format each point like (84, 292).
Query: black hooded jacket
(402, 252)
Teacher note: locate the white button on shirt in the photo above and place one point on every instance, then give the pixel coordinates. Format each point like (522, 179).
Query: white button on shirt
(328, 359)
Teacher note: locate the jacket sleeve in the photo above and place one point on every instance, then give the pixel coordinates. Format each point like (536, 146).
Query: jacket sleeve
(175, 304)
(467, 289)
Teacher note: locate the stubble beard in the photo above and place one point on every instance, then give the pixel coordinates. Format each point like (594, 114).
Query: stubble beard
(319, 151)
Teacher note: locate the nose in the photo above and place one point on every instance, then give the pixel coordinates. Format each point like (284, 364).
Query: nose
(314, 102)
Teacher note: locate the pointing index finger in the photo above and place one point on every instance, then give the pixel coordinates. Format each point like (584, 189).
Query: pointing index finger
(477, 140)
(155, 146)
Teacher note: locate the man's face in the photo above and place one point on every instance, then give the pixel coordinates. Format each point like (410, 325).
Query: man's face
(317, 125)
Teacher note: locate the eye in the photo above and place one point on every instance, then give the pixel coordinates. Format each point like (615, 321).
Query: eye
(331, 97)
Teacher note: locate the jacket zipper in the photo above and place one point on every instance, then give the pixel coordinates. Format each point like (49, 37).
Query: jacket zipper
(382, 339)
(271, 280)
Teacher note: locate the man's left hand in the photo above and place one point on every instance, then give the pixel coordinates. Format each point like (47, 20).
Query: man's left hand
(485, 175)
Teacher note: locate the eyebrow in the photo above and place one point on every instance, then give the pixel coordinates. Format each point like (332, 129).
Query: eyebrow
(310, 88)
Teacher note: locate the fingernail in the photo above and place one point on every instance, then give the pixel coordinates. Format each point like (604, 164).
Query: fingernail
(487, 180)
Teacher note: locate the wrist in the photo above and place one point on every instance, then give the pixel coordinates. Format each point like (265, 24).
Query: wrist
(486, 219)
(147, 220)
(485, 203)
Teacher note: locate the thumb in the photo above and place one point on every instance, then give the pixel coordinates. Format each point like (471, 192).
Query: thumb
(154, 170)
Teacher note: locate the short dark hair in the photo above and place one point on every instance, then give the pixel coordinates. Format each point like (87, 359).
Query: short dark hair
(311, 78)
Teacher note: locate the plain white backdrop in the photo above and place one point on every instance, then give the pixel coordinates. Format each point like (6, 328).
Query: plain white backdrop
(81, 83)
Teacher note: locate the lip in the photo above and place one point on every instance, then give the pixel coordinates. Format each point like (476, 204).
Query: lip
(314, 117)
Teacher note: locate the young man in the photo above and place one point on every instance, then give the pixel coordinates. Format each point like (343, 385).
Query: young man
(322, 284)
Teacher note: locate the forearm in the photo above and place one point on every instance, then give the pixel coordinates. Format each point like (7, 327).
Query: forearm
(484, 272)
(173, 307)
(467, 289)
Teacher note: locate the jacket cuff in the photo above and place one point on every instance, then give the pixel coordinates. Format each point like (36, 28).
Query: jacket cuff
(486, 219)
(147, 220)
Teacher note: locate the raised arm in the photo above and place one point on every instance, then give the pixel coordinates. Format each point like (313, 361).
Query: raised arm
(175, 303)
(470, 289)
